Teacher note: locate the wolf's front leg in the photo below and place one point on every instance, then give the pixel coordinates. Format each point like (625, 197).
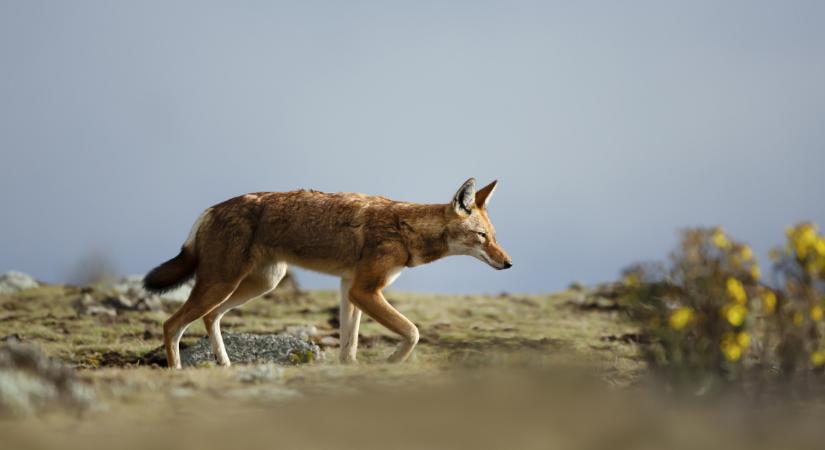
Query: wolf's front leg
(376, 306)
(350, 320)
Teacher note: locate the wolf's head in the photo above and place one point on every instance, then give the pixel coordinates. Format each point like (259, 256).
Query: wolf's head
(469, 230)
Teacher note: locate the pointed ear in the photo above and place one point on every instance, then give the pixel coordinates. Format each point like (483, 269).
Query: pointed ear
(464, 199)
(484, 194)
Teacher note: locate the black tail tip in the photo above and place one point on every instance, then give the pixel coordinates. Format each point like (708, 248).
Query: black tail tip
(172, 274)
(158, 288)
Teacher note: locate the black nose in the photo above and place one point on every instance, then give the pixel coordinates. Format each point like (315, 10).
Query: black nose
(508, 264)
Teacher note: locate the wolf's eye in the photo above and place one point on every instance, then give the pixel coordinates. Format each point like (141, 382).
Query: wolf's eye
(481, 234)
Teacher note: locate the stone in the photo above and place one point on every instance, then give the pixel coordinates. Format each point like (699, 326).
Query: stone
(87, 305)
(303, 332)
(149, 304)
(99, 310)
(329, 341)
(245, 348)
(13, 282)
(119, 302)
(85, 300)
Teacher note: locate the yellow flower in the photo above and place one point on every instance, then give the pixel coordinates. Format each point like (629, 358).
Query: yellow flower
(798, 318)
(736, 291)
(746, 252)
(820, 246)
(733, 345)
(743, 339)
(755, 273)
(719, 239)
(681, 318)
(816, 313)
(818, 358)
(731, 350)
(769, 302)
(805, 240)
(734, 314)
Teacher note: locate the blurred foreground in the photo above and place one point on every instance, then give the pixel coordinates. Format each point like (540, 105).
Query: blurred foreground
(392, 408)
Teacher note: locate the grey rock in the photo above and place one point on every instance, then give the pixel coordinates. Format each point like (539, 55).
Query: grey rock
(85, 300)
(149, 304)
(122, 302)
(119, 302)
(330, 341)
(252, 348)
(12, 282)
(99, 310)
(303, 332)
(30, 382)
(86, 305)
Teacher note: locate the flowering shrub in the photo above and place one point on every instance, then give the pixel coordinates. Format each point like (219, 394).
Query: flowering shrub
(800, 271)
(709, 314)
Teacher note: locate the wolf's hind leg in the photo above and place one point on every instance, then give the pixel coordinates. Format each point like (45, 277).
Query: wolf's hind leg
(205, 296)
(254, 285)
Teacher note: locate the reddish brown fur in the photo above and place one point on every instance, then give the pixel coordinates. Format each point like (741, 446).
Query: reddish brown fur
(357, 237)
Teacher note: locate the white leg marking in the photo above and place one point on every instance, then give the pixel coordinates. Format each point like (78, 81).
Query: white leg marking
(350, 318)
(175, 363)
(213, 328)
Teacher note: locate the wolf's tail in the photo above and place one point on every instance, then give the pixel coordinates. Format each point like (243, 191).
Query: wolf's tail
(180, 269)
(173, 273)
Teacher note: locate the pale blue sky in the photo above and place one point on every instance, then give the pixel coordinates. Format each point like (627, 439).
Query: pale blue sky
(610, 125)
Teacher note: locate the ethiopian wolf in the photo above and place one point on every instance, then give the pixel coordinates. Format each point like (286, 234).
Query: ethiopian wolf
(240, 249)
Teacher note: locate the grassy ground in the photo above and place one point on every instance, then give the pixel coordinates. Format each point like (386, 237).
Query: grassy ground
(490, 371)
(455, 331)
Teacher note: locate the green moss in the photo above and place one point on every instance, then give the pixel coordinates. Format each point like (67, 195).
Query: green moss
(301, 357)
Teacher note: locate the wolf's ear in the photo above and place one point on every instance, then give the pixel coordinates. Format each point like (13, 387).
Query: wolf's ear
(464, 199)
(484, 194)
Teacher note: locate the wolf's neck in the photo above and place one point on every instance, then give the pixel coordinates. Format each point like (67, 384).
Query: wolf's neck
(424, 230)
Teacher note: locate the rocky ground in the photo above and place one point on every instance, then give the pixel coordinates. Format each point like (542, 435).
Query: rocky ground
(82, 365)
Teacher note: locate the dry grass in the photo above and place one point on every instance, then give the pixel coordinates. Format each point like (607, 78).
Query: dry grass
(457, 331)
(510, 371)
